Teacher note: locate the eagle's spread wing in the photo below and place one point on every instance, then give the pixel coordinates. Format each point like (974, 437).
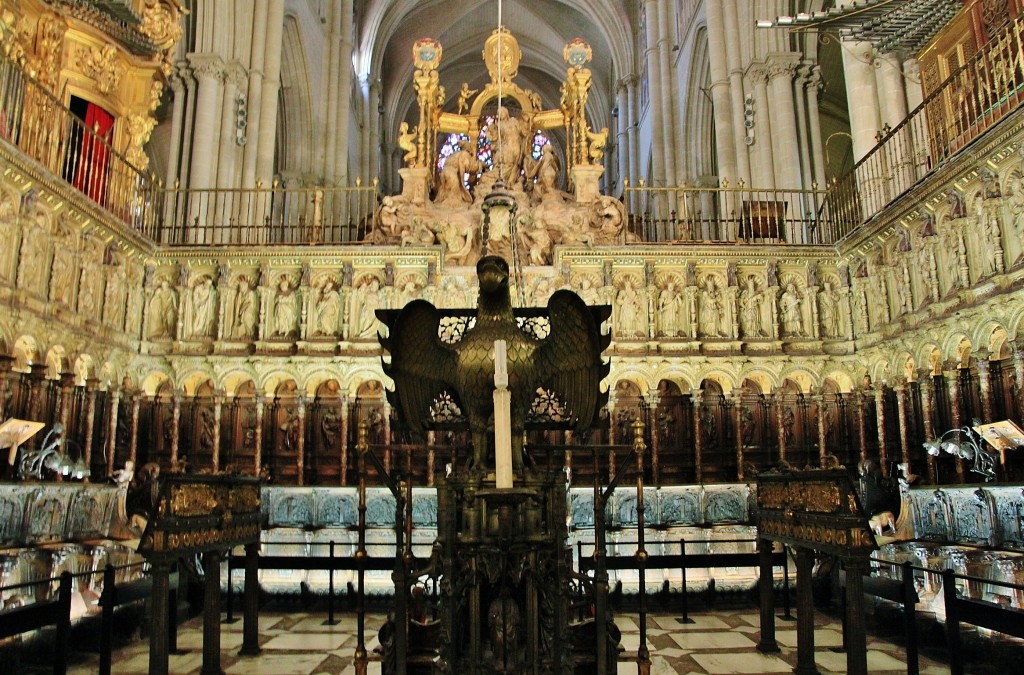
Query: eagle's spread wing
(569, 361)
(421, 365)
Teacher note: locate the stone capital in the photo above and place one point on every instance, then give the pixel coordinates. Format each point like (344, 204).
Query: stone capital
(206, 65)
(235, 73)
(781, 64)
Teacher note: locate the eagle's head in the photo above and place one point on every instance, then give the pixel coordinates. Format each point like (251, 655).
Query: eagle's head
(494, 300)
(492, 271)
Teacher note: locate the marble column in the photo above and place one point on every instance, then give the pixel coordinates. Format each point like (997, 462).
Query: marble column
(820, 403)
(255, 93)
(697, 399)
(133, 432)
(861, 95)
(268, 102)
(883, 451)
(218, 404)
(91, 385)
(114, 398)
(651, 402)
(343, 441)
(736, 400)
(175, 427)
(776, 400)
(901, 418)
(261, 405)
(984, 384)
(924, 384)
(721, 97)
(1018, 376)
(951, 373)
(861, 397)
(300, 449)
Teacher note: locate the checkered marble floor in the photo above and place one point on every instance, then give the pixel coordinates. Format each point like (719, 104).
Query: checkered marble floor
(717, 642)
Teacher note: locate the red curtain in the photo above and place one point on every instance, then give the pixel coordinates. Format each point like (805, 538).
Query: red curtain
(94, 157)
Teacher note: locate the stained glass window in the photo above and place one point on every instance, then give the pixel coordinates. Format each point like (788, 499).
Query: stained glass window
(484, 151)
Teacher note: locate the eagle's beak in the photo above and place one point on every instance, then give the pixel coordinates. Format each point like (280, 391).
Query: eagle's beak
(493, 274)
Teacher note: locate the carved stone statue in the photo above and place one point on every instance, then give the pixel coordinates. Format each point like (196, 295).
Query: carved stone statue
(711, 309)
(751, 304)
(286, 310)
(828, 311)
(328, 310)
(245, 311)
(671, 311)
(632, 314)
(163, 312)
(365, 301)
(203, 308)
(790, 304)
(451, 187)
(545, 171)
(514, 134)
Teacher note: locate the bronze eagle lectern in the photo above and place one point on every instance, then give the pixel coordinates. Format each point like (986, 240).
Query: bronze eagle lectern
(566, 363)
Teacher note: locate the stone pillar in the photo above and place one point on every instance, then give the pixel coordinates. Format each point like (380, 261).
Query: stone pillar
(622, 133)
(721, 97)
(762, 171)
(177, 119)
(924, 384)
(271, 87)
(332, 48)
(261, 404)
(901, 418)
(133, 432)
(344, 111)
(255, 93)
(861, 95)
(90, 423)
(114, 396)
(812, 85)
(658, 159)
(785, 141)
(804, 613)
(883, 451)
(697, 398)
(300, 445)
(209, 71)
(735, 66)
(634, 132)
(984, 384)
(674, 154)
(176, 427)
(951, 373)
(218, 403)
(374, 152)
(234, 78)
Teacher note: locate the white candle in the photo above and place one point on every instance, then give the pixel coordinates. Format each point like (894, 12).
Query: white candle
(502, 418)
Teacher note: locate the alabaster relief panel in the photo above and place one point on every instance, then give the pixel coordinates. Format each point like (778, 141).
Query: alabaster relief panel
(973, 516)
(1009, 514)
(91, 512)
(288, 508)
(380, 509)
(682, 505)
(725, 503)
(14, 500)
(931, 514)
(625, 513)
(47, 512)
(334, 508)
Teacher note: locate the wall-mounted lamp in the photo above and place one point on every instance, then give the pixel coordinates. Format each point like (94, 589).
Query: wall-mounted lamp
(53, 457)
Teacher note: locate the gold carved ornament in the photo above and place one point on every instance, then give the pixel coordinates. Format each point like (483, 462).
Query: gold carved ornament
(101, 64)
(508, 67)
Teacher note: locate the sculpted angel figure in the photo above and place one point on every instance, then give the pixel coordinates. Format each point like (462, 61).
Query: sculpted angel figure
(407, 142)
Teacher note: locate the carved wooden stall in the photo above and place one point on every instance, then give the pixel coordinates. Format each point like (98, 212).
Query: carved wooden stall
(814, 511)
(200, 514)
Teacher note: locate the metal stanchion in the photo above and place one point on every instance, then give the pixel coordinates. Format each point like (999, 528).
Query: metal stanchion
(330, 589)
(685, 618)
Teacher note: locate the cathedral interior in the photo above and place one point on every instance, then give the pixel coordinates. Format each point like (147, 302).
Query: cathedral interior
(804, 220)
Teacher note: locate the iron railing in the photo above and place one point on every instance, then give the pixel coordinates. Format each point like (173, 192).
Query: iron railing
(739, 215)
(267, 216)
(971, 100)
(45, 130)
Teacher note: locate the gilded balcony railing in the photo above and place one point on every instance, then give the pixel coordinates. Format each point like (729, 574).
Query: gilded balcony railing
(971, 100)
(45, 130)
(267, 216)
(739, 215)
